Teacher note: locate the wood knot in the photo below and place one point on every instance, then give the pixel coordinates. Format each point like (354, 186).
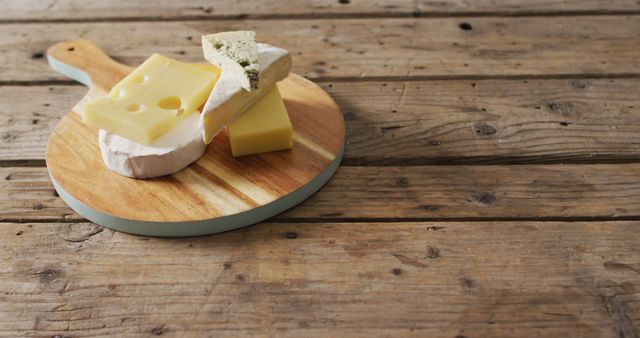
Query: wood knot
(465, 26)
(561, 108)
(47, 275)
(434, 143)
(433, 252)
(344, 2)
(579, 84)
(350, 116)
(429, 207)
(484, 129)
(484, 198)
(396, 271)
(292, 235)
(467, 283)
(402, 181)
(158, 330)
(435, 228)
(10, 136)
(79, 232)
(38, 55)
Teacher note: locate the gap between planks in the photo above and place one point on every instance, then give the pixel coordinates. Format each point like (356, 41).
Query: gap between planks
(328, 79)
(453, 161)
(301, 220)
(313, 16)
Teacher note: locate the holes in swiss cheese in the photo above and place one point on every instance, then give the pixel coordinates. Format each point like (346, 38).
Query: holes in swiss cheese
(171, 103)
(141, 79)
(134, 107)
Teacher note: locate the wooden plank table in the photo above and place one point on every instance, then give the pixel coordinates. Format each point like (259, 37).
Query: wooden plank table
(490, 186)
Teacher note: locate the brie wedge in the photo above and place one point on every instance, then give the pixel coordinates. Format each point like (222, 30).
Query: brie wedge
(229, 99)
(166, 155)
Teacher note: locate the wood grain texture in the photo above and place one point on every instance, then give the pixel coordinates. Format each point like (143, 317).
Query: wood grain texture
(306, 275)
(363, 48)
(70, 10)
(493, 279)
(421, 122)
(491, 121)
(408, 193)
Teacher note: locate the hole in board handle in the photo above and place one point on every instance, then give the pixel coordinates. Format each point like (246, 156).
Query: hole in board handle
(71, 49)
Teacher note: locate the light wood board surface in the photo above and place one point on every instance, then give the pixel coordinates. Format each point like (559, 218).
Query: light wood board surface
(215, 186)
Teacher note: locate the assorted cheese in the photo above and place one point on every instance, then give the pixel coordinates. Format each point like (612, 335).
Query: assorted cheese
(228, 99)
(262, 128)
(147, 123)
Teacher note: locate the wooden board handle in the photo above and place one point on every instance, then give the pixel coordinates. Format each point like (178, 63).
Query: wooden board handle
(85, 62)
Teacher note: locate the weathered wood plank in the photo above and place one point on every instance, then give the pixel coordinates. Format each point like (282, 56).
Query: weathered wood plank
(361, 48)
(69, 10)
(494, 279)
(429, 192)
(491, 121)
(420, 122)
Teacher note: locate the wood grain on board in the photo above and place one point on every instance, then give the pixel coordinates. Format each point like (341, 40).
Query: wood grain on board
(362, 48)
(74, 10)
(481, 279)
(427, 192)
(421, 122)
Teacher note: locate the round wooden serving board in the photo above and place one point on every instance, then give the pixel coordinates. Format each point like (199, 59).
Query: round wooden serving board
(216, 193)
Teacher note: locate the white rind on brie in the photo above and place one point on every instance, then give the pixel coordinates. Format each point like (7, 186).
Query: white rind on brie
(168, 153)
(229, 99)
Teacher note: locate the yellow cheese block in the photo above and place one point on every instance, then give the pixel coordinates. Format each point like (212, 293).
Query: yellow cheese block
(262, 128)
(152, 99)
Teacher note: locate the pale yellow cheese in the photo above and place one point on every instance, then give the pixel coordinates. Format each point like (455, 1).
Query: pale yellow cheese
(152, 99)
(262, 128)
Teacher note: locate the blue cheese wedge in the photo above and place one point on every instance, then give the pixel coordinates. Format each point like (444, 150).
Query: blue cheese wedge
(229, 99)
(236, 53)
